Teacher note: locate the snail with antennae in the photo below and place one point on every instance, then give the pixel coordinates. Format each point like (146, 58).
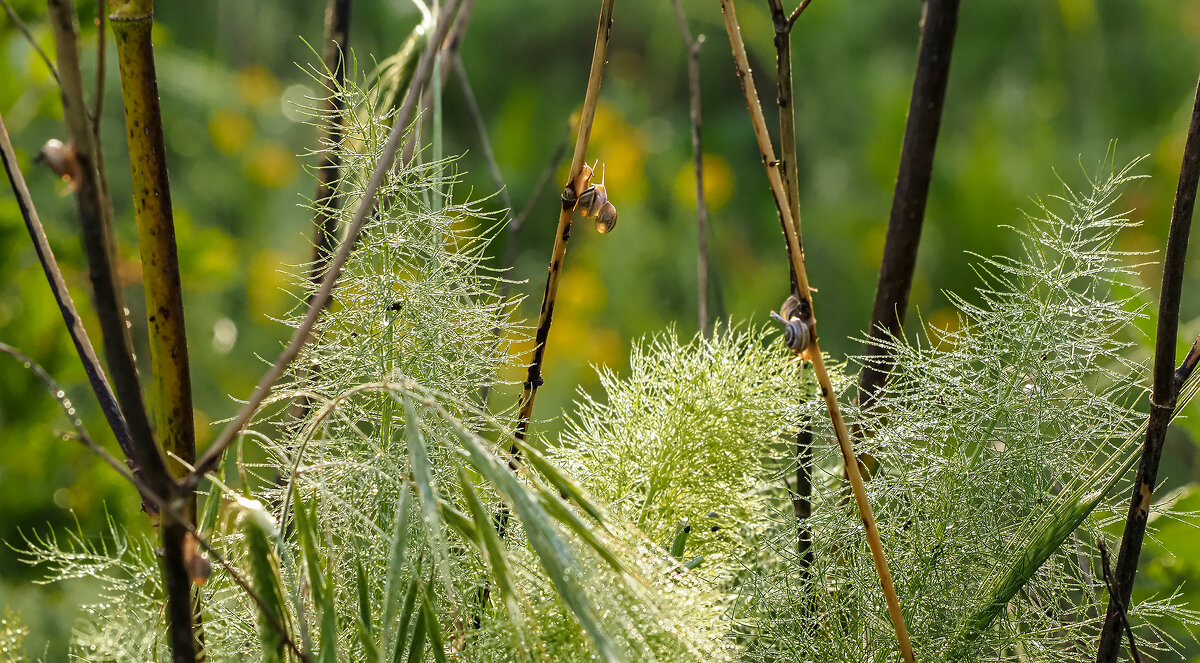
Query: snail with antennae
(592, 201)
(796, 318)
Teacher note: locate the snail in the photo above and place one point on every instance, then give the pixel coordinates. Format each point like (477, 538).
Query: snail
(797, 322)
(62, 160)
(593, 201)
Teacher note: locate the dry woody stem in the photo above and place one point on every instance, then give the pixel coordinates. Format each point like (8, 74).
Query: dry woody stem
(802, 493)
(95, 218)
(796, 254)
(693, 51)
(301, 336)
(938, 26)
(533, 379)
(1165, 390)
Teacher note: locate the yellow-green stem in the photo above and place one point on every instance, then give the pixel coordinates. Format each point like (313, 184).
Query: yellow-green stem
(156, 235)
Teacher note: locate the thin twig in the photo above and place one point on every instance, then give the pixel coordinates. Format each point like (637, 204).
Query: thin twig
(693, 50)
(938, 26)
(146, 462)
(533, 378)
(212, 455)
(1111, 584)
(814, 352)
(1165, 390)
(164, 507)
(485, 142)
(12, 13)
(797, 12)
(99, 244)
(327, 200)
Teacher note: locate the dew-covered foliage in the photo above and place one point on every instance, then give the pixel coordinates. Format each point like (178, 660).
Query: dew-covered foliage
(995, 441)
(373, 512)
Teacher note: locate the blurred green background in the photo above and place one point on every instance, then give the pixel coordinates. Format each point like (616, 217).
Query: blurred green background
(1035, 88)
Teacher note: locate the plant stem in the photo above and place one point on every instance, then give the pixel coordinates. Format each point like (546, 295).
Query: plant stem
(144, 461)
(301, 336)
(787, 113)
(805, 294)
(938, 25)
(328, 202)
(1165, 390)
(802, 497)
(131, 24)
(693, 50)
(94, 209)
(533, 378)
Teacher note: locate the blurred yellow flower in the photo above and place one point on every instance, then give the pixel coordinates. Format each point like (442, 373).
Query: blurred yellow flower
(256, 86)
(718, 183)
(229, 130)
(265, 283)
(271, 166)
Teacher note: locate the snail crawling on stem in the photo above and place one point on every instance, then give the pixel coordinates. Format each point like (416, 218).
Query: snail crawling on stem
(797, 321)
(592, 201)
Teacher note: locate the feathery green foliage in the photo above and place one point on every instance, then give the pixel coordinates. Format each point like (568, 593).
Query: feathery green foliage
(993, 440)
(999, 442)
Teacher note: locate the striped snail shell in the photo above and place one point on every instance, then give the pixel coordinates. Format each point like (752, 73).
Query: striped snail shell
(796, 333)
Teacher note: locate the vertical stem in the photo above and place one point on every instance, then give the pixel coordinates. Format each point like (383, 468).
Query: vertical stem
(787, 113)
(131, 23)
(693, 51)
(802, 497)
(938, 25)
(145, 461)
(156, 234)
(796, 253)
(328, 202)
(533, 379)
(94, 210)
(1165, 390)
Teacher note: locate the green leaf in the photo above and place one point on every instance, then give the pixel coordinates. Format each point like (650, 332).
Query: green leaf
(397, 564)
(410, 601)
(432, 626)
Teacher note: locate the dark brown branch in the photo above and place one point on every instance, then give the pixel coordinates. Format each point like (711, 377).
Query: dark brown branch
(693, 50)
(785, 98)
(301, 336)
(327, 200)
(93, 207)
(145, 462)
(1165, 390)
(16, 19)
(938, 25)
(1111, 584)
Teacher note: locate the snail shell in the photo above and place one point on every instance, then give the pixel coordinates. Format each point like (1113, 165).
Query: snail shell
(606, 220)
(796, 333)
